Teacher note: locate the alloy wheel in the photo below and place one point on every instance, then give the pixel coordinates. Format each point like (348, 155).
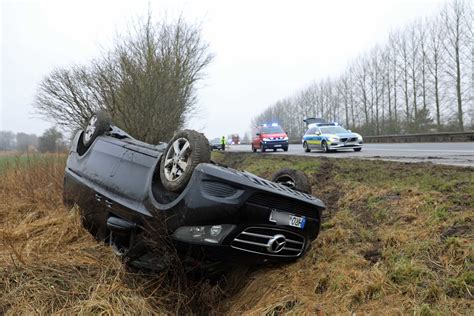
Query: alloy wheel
(90, 129)
(177, 159)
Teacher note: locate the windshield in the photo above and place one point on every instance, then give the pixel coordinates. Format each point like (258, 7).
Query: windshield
(271, 130)
(332, 130)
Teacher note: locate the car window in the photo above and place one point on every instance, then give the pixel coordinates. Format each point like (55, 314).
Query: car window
(310, 131)
(333, 130)
(272, 129)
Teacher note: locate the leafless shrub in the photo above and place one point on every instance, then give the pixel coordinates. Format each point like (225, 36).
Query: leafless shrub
(147, 81)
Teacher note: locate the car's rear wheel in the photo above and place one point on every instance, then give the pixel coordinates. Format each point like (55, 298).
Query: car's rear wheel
(184, 152)
(357, 149)
(294, 179)
(306, 147)
(98, 124)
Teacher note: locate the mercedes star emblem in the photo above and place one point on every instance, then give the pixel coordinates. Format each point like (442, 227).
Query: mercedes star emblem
(276, 243)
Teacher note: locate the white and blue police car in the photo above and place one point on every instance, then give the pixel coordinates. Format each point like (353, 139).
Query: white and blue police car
(329, 136)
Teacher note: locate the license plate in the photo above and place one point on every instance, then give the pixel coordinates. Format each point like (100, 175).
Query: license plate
(297, 221)
(276, 145)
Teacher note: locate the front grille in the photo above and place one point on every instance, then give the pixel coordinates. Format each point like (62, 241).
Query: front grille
(343, 139)
(218, 189)
(282, 203)
(353, 139)
(259, 239)
(276, 142)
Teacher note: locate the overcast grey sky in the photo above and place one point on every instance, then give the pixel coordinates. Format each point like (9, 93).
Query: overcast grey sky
(265, 50)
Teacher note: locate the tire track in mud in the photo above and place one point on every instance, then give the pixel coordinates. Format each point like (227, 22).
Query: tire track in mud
(325, 187)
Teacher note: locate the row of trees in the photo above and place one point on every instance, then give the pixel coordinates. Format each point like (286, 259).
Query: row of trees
(421, 79)
(146, 82)
(51, 141)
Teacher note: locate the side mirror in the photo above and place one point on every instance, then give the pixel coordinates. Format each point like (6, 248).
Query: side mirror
(318, 133)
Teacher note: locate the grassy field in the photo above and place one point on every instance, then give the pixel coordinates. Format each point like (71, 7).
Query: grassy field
(397, 239)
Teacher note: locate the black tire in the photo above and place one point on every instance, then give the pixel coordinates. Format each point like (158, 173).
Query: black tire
(306, 147)
(357, 149)
(285, 148)
(254, 149)
(262, 148)
(184, 161)
(98, 124)
(294, 179)
(325, 147)
(274, 149)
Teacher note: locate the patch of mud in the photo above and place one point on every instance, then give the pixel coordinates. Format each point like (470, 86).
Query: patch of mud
(458, 230)
(325, 187)
(372, 255)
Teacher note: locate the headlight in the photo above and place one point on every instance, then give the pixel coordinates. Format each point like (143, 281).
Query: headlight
(334, 139)
(266, 139)
(285, 138)
(203, 234)
(359, 138)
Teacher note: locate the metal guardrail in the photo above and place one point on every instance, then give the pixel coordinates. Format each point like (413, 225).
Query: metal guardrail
(467, 136)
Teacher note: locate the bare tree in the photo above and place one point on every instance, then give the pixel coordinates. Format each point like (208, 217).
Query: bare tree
(434, 63)
(51, 141)
(25, 142)
(423, 68)
(7, 140)
(147, 82)
(454, 16)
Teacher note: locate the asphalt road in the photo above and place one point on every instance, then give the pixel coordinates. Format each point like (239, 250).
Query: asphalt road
(455, 154)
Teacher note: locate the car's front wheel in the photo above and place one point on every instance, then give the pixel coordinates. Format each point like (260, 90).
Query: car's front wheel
(325, 147)
(254, 149)
(184, 152)
(262, 148)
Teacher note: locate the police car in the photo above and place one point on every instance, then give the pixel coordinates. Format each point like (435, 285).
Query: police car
(329, 137)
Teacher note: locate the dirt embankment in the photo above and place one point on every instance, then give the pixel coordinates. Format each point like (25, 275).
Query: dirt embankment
(397, 238)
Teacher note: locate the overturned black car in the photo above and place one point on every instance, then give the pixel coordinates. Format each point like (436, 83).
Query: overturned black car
(126, 189)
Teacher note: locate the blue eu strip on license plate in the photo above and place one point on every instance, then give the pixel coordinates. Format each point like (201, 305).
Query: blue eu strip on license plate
(297, 221)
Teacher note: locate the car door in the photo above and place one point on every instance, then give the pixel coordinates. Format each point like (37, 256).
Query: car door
(318, 137)
(310, 137)
(256, 138)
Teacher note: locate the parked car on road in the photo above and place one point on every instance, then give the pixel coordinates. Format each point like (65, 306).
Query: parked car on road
(269, 136)
(329, 137)
(133, 194)
(215, 143)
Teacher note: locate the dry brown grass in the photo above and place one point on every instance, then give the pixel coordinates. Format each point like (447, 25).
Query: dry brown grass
(50, 265)
(399, 241)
